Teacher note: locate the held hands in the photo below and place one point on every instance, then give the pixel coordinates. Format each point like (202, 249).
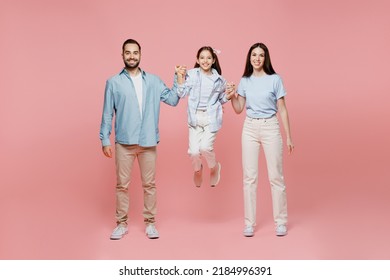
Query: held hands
(230, 90)
(181, 71)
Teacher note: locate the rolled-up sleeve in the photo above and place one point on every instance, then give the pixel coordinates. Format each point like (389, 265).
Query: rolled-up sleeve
(222, 95)
(169, 96)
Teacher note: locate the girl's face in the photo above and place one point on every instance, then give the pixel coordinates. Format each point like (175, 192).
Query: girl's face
(205, 61)
(257, 58)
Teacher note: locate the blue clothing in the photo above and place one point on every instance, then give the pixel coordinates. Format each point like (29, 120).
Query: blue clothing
(262, 94)
(207, 82)
(120, 99)
(192, 88)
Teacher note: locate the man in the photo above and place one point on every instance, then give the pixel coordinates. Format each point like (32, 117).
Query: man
(134, 97)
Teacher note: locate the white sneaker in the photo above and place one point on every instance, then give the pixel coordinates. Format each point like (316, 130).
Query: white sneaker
(151, 231)
(281, 230)
(119, 232)
(248, 231)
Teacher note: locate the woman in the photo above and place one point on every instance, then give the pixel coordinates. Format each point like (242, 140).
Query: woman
(261, 91)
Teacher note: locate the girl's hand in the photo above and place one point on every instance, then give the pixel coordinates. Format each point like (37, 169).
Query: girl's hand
(230, 90)
(181, 71)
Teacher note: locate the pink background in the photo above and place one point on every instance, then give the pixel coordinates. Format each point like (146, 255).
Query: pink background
(57, 188)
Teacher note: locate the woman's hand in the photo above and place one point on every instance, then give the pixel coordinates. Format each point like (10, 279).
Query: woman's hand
(230, 90)
(290, 146)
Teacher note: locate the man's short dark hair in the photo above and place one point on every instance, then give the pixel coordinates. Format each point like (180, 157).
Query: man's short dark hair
(131, 41)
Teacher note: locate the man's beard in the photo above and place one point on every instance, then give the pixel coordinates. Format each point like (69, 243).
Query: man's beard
(128, 66)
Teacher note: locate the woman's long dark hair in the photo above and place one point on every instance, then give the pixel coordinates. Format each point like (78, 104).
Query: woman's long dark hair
(215, 65)
(267, 61)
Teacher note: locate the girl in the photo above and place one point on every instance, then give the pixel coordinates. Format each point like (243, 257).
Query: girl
(205, 88)
(261, 91)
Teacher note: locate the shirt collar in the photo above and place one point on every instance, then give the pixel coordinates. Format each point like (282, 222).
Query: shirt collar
(125, 72)
(215, 73)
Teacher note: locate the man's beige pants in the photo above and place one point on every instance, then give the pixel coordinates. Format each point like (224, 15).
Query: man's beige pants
(124, 157)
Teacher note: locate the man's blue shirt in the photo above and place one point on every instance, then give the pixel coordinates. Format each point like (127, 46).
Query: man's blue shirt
(120, 99)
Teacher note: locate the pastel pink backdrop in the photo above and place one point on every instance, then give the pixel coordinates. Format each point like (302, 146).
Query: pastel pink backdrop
(57, 188)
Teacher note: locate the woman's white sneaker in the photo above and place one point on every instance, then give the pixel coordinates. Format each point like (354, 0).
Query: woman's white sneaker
(248, 231)
(281, 230)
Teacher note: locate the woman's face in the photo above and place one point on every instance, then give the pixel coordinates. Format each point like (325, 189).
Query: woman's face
(257, 58)
(205, 60)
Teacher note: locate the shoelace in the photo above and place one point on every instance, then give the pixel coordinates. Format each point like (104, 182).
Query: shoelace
(152, 230)
(119, 228)
(281, 228)
(248, 228)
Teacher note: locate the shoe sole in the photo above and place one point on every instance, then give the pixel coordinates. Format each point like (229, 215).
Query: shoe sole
(117, 237)
(153, 237)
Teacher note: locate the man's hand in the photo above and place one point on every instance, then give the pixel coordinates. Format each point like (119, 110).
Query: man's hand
(107, 151)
